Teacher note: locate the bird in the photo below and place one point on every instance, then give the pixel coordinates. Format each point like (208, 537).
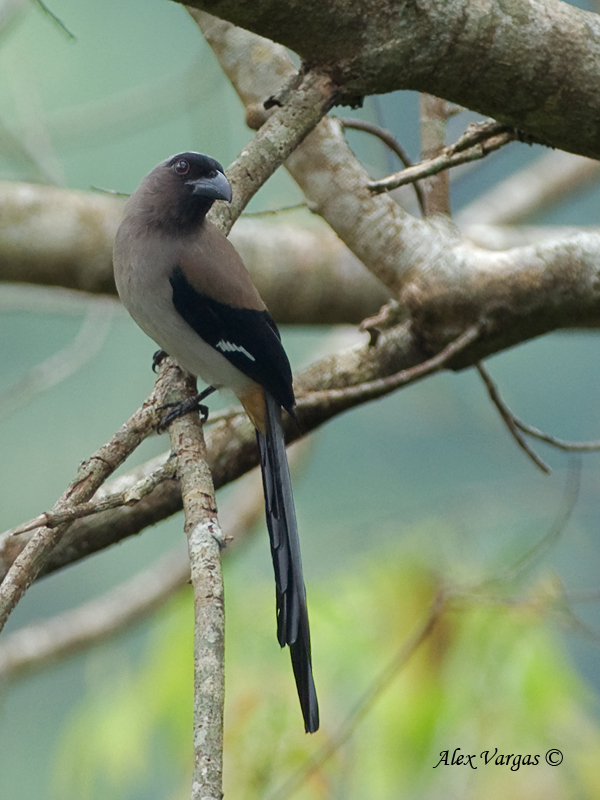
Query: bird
(186, 286)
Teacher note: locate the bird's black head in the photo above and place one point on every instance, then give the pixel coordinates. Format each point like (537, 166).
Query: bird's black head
(202, 176)
(179, 192)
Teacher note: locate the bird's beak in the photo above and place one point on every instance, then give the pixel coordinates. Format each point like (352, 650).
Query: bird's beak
(216, 188)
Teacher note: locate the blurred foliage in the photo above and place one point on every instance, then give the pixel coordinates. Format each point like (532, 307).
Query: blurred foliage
(489, 674)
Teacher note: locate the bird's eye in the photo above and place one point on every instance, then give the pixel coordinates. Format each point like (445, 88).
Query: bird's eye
(182, 167)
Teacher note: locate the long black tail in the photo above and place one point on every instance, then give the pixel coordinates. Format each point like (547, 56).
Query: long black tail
(292, 615)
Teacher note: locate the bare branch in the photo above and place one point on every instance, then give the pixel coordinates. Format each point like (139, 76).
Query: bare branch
(359, 393)
(515, 425)
(386, 136)
(394, 145)
(509, 419)
(560, 444)
(205, 539)
(478, 141)
(271, 212)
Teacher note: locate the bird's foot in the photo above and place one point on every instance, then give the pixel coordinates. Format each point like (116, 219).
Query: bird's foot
(184, 407)
(157, 358)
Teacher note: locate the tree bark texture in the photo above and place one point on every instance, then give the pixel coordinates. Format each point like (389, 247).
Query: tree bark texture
(533, 64)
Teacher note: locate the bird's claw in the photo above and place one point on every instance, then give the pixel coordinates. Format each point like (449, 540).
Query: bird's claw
(157, 358)
(180, 409)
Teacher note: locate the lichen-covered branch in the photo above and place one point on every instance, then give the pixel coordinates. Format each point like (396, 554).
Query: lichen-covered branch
(534, 66)
(445, 283)
(205, 539)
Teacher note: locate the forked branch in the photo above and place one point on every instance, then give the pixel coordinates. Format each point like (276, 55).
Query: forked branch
(477, 141)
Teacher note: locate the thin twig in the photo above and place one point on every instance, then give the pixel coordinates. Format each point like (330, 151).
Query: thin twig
(366, 702)
(371, 390)
(476, 142)
(560, 444)
(386, 136)
(112, 192)
(271, 211)
(394, 145)
(55, 19)
(530, 430)
(509, 419)
(128, 497)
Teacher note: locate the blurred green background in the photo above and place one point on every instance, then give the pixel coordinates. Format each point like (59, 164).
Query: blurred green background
(419, 490)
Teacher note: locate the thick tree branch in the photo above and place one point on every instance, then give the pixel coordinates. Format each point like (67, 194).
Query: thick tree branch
(534, 66)
(439, 278)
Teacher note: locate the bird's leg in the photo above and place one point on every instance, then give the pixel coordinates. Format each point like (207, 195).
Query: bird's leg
(157, 358)
(184, 407)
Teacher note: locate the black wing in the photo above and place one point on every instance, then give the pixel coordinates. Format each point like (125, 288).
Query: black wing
(248, 338)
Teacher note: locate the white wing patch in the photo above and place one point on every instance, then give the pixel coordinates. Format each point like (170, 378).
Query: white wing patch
(230, 347)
